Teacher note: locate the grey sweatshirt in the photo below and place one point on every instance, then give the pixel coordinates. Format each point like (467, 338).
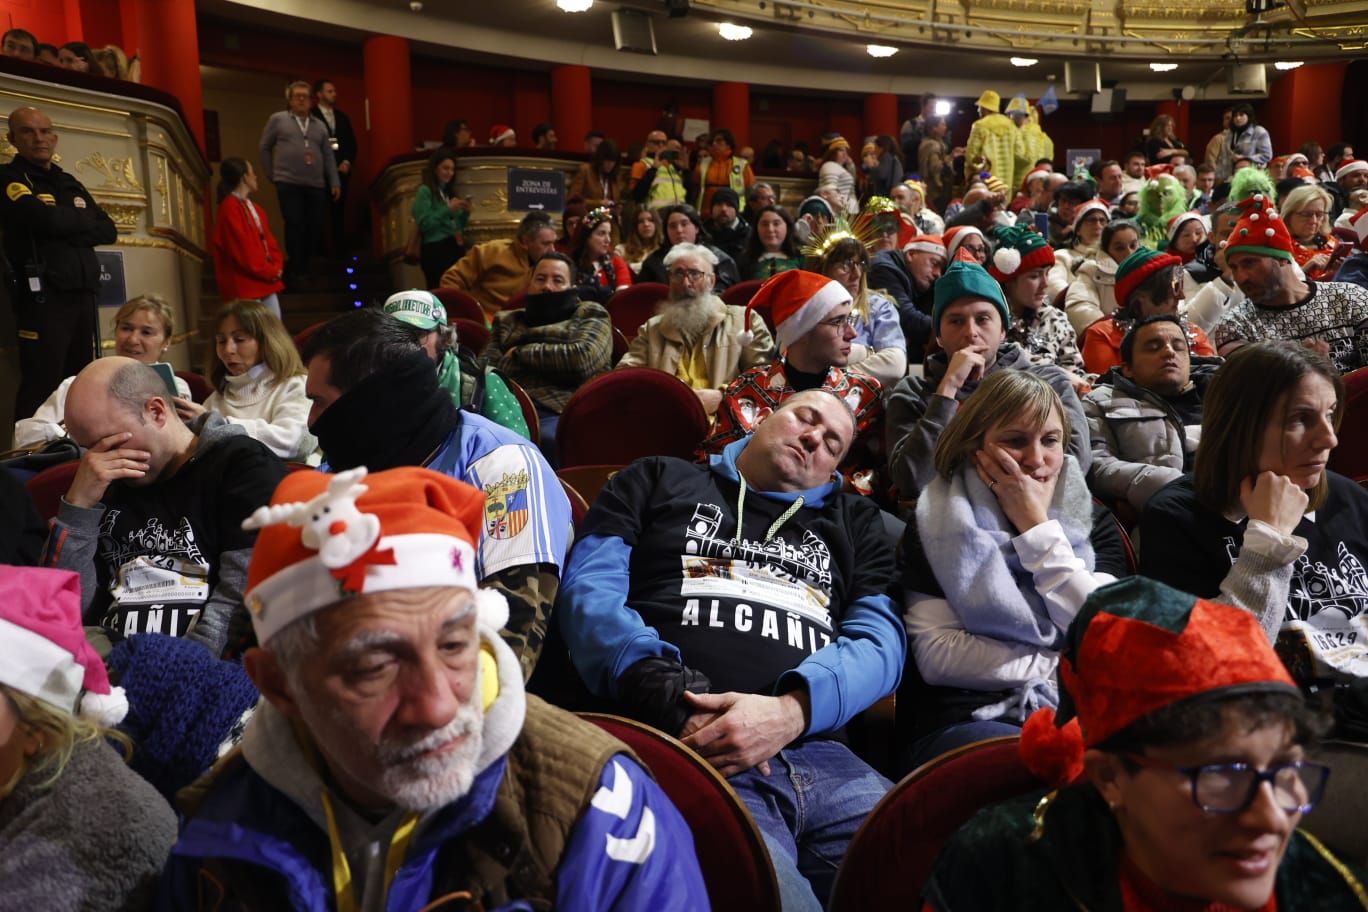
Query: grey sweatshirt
(284, 154)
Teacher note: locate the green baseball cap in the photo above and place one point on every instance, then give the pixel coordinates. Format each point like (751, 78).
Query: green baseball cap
(416, 308)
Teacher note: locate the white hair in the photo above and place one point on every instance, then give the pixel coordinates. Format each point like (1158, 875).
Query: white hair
(1185, 171)
(679, 251)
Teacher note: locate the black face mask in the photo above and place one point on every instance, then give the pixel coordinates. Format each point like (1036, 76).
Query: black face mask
(551, 307)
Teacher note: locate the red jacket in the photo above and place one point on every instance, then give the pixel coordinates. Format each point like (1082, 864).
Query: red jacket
(247, 261)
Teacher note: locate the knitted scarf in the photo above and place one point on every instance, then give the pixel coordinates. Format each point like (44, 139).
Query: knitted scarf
(395, 417)
(968, 543)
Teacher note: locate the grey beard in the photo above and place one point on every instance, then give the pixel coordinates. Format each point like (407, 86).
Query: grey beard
(689, 316)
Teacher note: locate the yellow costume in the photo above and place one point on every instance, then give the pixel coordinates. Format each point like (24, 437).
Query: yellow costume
(995, 137)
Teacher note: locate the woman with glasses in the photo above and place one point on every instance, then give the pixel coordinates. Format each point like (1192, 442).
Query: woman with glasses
(1147, 283)
(1306, 210)
(1085, 246)
(1260, 523)
(772, 247)
(1177, 782)
(879, 349)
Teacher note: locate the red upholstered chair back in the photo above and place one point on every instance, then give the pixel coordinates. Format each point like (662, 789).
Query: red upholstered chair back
(629, 413)
(460, 304)
(301, 338)
(894, 851)
(764, 312)
(579, 508)
(588, 479)
(517, 302)
(1351, 456)
(47, 487)
(199, 387)
(620, 345)
(529, 410)
(739, 295)
(731, 853)
(473, 334)
(634, 305)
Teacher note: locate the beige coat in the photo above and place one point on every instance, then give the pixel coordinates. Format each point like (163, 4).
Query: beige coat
(661, 348)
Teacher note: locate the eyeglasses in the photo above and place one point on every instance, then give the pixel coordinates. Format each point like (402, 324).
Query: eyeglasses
(687, 275)
(1229, 788)
(848, 266)
(838, 322)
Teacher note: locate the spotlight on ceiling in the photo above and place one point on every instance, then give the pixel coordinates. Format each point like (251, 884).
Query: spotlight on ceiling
(574, 6)
(1287, 64)
(1022, 61)
(880, 50)
(1163, 67)
(734, 32)
(943, 107)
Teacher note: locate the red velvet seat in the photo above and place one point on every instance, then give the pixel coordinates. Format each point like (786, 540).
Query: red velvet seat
(472, 334)
(620, 345)
(731, 853)
(579, 507)
(588, 479)
(460, 304)
(764, 312)
(529, 410)
(199, 387)
(1351, 456)
(739, 295)
(517, 302)
(629, 413)
(894, 851)
(301, 338)
(47, 487)
(634, 305)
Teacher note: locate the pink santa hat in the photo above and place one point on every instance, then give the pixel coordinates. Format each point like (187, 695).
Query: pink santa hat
(46, 654)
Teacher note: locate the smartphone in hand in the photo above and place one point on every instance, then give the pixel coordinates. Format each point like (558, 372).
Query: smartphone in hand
(168, 375)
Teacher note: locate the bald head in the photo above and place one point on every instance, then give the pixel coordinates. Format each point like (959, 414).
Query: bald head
(821, 398)
(30, 130)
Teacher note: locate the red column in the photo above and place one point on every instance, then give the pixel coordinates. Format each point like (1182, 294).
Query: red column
(165, 41)
(731, 109)
(880, 115)
(1303, 105)
(51, 22)
(571, 106)
(389, 96)
(1182, 125)
(74, 30)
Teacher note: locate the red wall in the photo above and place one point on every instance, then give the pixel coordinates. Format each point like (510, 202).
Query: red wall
(46, 19)
(101, 24)
(1299, 102)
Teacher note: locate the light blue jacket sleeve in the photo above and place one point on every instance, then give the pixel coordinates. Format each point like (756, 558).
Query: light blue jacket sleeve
(862, 666)
(884, 330)
(630, 851)
(604, 635)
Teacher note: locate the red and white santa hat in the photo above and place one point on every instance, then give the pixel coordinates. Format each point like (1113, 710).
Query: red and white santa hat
(1176, 223)
(43, 649)
(797, 301)
(1096, 204)
(1359, 222)
(499, 132)
(924, 243)
(1349, 166)
(327, 538)
(956, 236)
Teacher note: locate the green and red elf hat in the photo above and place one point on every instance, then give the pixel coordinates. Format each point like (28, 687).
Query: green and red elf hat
(1260, 230)
(1135, 268)
(1137, 647)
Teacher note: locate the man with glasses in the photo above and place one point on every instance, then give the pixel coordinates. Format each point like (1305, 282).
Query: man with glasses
(815, 330)
(696, 336)
(908, 276)
(658, 179)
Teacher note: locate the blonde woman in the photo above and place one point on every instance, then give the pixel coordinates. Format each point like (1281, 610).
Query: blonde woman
(79, 829)
(1306, 210)
(142, 331)
(643, 240)
(258, 380)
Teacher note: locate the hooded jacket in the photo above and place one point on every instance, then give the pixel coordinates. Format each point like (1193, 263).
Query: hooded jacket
(1092, 294)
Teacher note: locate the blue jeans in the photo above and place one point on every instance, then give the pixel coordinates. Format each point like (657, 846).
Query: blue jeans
(944, 740)
(808, 808)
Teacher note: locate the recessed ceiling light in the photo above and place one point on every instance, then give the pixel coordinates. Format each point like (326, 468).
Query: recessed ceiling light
(880, 50)
(1163, 67)
(943, 107)
(1288, 64)
(1022, 61)
(733, 32)
(574, 6)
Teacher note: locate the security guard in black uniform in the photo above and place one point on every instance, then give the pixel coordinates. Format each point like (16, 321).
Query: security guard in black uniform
(51, 226)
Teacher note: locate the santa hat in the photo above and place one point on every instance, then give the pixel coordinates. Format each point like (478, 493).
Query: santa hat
(1360, 225)
(797, 301)
(1176, 223)
(1139, 266)
(1037, 174)
(1137, 647)
(499, 132)
(1349, 166)
(925, 243)
(46, 654)
(1093, 205)
(1018, 250)
(1260, 230)
(954, 237)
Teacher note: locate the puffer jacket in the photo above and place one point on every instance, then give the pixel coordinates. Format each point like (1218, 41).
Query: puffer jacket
(1092, 294)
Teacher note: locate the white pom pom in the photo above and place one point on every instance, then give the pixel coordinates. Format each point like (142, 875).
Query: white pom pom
(1272, 216)
(107, 710)
(746, 337)
(1270, 232)
(1224, 244)
(1258, 197)
(1253, 216)
(492, 608)
(1007, 260)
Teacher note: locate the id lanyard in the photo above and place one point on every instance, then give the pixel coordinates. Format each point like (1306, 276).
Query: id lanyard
(304, 131)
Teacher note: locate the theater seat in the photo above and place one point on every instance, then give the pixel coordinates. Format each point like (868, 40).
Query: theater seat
(579, 507)
(1350, 457)
(47, 487)
(199, 387)
(472, 334)
(629, 413)
(588, 479)
(460, 304)
(739, 295)
(634, 305)
(529, 409)
(301, 338)
(731, 853)
(517, 302)
(895, 849)
(621, 344)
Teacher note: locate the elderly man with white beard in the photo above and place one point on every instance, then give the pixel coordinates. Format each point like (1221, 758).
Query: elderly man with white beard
(694, 335)
(396, 762)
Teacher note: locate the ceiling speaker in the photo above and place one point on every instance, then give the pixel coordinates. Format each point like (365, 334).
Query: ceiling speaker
(1248, 79)
(1082, 78)
(633, 31)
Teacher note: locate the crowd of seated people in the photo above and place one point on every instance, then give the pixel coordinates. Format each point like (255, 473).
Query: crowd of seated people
(109, 61)
(1020, 467)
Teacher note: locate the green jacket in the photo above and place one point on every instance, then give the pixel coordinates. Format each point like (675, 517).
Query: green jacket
(997, 861)
(435, 218)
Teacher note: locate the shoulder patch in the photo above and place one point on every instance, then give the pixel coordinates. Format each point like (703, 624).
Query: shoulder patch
(17, 189)
(48, 198)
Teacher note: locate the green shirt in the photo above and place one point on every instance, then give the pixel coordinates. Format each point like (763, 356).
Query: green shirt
(499, 406)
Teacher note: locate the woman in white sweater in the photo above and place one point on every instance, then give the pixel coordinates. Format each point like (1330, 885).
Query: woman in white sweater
(1092, 293)
(835, 182)
(142, 330)
(258, 381)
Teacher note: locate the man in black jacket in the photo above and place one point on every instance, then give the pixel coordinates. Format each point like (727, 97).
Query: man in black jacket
(51, 226)
(343, 140)
(908, 276)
